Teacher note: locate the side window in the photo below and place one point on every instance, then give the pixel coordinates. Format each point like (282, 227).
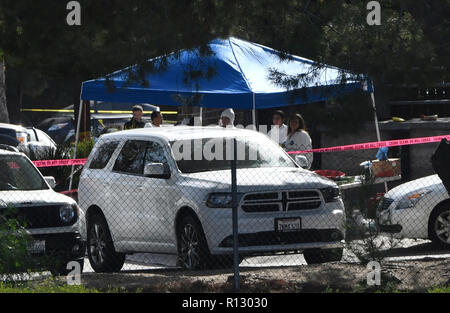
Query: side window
(131, 157)
(155, 153)
(32, 135)
(103, 155)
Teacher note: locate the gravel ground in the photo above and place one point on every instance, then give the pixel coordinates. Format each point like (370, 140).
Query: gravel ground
(416, 275)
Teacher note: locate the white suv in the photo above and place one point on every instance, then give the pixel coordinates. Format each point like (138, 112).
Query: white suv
(54, 221)
(168, 190)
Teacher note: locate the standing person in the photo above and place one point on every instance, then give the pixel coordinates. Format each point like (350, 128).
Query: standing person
(227, 118)
(298, 138)
(157, 118)
(278, 132)
(136, 121)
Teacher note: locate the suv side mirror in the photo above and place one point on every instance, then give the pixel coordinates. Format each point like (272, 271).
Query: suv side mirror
(51, 181)
(301, 160)
(156, 170)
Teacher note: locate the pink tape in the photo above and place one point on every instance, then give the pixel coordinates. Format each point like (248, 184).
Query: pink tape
(377, 144)
(63, 162)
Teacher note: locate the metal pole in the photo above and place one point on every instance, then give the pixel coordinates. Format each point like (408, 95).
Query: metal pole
(76, 142)
(201, 115)
(254, 110)
(235, 216)
(377, 129)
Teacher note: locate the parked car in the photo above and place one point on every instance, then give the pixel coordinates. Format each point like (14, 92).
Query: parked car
(417, 209)
(14, 131)
(140, 196)
(40, 145)
(33, 142)
(54, 221)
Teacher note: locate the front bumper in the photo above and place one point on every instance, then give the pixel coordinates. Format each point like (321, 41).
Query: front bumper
(69, 245)
(321, 228)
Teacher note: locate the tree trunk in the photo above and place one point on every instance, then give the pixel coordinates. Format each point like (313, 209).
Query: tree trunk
(4, 117)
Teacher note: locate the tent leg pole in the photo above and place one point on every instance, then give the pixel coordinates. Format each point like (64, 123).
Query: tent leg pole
(254, 112)
(77, 135)
(372, 96)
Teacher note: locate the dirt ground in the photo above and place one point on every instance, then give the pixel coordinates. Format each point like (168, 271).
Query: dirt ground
(415, 276)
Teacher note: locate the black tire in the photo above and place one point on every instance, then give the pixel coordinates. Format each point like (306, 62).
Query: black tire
(60, 267)
(101, 252)
(439, 226)
(193, 252)
(318, 256)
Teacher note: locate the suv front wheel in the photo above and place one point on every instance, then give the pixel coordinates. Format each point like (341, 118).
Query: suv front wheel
(193, 252)
(102, 255)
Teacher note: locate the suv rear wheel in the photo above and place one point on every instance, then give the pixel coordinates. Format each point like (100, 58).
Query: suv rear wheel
(102, 255)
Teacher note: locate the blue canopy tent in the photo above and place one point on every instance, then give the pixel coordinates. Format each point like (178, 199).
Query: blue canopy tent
(241, 79)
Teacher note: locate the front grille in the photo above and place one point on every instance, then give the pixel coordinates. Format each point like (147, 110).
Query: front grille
(294, 200)
(385, 204)
(277, 238)
(39, 216)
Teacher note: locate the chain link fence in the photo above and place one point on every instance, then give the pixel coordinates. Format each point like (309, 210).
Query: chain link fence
(209, 199)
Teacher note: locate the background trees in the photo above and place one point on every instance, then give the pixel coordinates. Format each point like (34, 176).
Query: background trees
(47, 60)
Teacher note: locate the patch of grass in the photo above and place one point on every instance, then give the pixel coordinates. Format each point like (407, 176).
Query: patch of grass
(439, 289)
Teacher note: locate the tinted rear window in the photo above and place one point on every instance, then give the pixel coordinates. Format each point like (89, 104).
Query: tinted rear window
(103, 154)
(8, 132)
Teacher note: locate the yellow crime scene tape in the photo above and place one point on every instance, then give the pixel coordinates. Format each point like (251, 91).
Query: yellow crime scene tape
(92, 111)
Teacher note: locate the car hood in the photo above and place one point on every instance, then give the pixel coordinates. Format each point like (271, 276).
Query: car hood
(30, 198)
(433, 183)
(254, 179)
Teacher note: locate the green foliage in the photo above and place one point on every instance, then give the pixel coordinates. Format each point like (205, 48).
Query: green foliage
(84, 148)
(14, 243)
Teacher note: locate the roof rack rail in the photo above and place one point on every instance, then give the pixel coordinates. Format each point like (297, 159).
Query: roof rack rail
(9, 148)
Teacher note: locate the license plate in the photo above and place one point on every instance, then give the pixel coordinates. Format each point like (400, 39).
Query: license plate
(37, 247)
(288, 224)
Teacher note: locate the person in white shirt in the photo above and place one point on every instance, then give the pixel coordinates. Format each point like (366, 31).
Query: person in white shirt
(227, 118)
(298, 138)
(278, 132)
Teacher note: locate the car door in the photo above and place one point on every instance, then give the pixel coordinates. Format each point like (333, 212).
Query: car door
(127, 186)
(158, 201)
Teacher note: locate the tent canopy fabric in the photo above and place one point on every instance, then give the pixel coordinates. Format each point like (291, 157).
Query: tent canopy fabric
(240, 79)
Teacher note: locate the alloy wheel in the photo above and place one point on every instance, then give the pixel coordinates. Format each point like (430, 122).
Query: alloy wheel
(442, 226)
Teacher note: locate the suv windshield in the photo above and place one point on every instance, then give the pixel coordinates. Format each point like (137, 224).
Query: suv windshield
(17, 173)
(213, 154)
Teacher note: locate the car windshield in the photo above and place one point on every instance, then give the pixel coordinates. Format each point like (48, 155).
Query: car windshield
(213, 154)
(17, 173)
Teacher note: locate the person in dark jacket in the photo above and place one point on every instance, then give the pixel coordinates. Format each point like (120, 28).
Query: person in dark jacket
(136, 121)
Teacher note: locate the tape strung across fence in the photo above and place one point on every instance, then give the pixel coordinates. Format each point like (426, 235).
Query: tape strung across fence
(377, 144)
(359, 146)
(63, 162)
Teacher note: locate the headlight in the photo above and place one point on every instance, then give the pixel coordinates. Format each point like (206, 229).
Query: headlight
(67, 213)
(220, 200)
(330, 194)
(411, 200)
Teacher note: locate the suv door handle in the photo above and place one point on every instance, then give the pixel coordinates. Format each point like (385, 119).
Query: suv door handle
(140, 187)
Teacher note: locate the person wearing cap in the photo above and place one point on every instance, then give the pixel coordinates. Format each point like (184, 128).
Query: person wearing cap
(136, 121)
(278, 132)
(157, 118)
(227, 118)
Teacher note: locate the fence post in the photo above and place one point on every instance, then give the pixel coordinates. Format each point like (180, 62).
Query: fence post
(235, 216)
